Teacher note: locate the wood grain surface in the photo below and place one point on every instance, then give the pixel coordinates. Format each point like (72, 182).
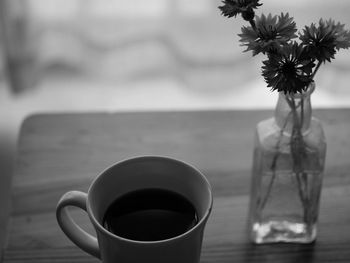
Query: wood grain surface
(62, 152)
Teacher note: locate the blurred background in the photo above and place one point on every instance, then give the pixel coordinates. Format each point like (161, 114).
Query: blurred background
(132, 55)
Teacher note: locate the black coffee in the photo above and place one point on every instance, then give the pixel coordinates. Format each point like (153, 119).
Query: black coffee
(150, 215)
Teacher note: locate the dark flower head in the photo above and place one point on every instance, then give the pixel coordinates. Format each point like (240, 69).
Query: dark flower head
(290, 71)
(342, 36)
(270, 35)
(321, 40)
(244, 7)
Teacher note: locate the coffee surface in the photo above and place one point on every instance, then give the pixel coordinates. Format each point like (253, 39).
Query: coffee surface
(150, 215)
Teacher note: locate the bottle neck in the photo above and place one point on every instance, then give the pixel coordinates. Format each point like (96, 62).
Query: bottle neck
(293, 111)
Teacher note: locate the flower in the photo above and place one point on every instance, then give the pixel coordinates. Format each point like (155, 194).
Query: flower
(321, 40)
(234, 7)
(270, 34)
(290, 65)
(342, 36)
(290, 71)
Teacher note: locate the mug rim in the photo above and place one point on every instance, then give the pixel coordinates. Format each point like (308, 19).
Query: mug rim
(141, 158)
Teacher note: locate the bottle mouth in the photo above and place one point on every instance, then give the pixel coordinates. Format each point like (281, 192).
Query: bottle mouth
(305, 93)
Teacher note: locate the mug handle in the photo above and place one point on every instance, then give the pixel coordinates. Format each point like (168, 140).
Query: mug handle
(82, 239)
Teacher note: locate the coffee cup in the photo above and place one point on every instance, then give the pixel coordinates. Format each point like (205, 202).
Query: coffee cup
(141, 175)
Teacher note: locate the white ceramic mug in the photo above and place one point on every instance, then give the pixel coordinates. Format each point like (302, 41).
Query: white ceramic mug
(130, 175)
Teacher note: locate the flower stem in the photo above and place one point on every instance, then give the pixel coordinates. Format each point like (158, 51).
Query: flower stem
(297, 147)
(252, 23)
(298, 151)
(274, 163)
(301, 112)
(316, 69)
(303, 176)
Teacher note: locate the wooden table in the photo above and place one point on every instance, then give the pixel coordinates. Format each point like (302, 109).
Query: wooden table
(61, 152)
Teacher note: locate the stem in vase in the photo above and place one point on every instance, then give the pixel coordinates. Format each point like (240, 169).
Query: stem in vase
(297, 150)
(274, 164)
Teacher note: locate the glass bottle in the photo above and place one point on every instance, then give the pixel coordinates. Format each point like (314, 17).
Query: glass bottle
(288, 164)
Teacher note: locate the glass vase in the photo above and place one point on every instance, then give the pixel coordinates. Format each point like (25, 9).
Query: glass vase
(288, 164)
